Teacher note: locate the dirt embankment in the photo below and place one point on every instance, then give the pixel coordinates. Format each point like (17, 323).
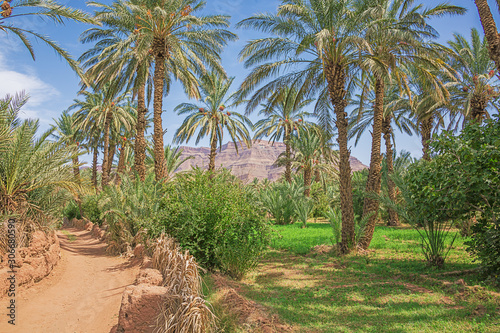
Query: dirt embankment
(33, 263)
(81, 294)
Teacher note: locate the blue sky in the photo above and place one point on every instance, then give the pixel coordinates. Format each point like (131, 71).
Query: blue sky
(52, 85)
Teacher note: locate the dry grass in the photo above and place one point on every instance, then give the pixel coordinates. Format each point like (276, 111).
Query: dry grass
(248, 315)
(185, 310)
(24, 227)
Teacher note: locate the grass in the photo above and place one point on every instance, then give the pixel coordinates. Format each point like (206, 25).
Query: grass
(71, 237)
(291, 237)
(388, 289)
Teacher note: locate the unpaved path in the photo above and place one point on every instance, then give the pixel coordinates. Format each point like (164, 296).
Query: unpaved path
(82, 294)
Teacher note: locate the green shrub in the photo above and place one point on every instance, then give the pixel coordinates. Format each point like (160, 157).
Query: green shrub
(461, 180)
(215, 218)
(321, 200)
(129, 209)
(303, 209)
(335, 218)
(91, 209)
(359, 179)
(71, 210)
(278, 200)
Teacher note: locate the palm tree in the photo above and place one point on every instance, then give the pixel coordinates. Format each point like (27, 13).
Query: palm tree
(284, 115)
(396, 36)
(45, 9)
(490, 31)
(67, 133)
(474, 92)
(106, 108)
(181, 45)
(314, 48)
(395, 111)
(33, 169)
(123, 58)
(309, 147)
(212, 116)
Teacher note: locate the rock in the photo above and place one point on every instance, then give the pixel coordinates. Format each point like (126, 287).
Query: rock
(149, 276)
(139, 251)
(247, 164)
(140, 307)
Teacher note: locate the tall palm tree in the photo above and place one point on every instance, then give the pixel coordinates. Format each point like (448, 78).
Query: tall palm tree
(309, 154)
(314, 48)
(474, 91)
(395, 112)
(490, 30)
(181, 44)
(66, 132)
(212, 116)
(284, 116)
(396, 36)
(104, 107)
(121, 57)
(45, 9)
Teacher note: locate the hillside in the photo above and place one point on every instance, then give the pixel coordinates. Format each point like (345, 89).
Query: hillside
(247, 164)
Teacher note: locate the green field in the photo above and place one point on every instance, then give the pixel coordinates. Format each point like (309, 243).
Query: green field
(387, 289)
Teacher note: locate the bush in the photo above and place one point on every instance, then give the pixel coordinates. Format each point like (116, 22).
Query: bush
(91, 209)
(321, 200)
(71, 210)
(129, 209)
(359, 179)
(279, 201)
(216, 219)
(461, 180)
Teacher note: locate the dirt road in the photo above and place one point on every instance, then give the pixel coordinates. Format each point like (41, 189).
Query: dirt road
(81, 295)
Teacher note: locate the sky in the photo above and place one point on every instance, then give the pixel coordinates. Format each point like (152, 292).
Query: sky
(53, 86)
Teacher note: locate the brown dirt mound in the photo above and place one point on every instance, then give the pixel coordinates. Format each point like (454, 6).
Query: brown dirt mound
(250, 315)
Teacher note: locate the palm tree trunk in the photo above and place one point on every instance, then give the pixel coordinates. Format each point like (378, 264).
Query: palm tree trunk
(371, 205)
(288, 154)
(317, 176)
(105, 160)
(121, 166)
(307, 181)
(140, 141)
(112, 150)
(94, 167)
(391, 187)
(425, 132)
(76, 172)
(478, 107)
(213, 152)
(490, 31)
(159, 50)
(336, 79)
(76, 168)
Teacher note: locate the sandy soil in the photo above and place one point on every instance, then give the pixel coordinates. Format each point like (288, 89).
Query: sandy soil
(82, 293)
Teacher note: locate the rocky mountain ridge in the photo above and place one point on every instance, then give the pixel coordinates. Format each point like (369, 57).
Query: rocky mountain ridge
(247, 164)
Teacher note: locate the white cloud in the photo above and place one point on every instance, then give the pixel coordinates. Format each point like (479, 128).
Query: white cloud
(40, 92)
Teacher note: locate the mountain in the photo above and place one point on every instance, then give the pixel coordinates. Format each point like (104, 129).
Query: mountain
(247, 164)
